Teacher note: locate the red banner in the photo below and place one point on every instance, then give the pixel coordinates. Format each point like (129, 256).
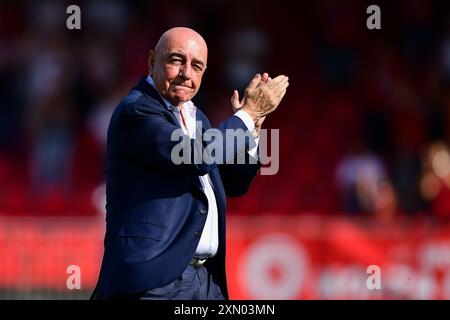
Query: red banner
(337, 258)
(269, 257)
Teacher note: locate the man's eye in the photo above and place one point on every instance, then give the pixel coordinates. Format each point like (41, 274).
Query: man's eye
(175, 61)
(197, 67)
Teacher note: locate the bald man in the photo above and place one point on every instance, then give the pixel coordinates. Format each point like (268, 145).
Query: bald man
(165, 223)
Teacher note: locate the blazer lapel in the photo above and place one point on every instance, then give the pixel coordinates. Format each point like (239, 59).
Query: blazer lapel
(151, 92)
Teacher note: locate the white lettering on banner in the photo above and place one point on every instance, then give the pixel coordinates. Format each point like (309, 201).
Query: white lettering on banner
(274, 267)
(343, 282)
(435, 255)
(402, 282)
(399, 282)
(446, 286)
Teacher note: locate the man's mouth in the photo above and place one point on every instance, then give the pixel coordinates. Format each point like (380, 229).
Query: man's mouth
(180, 86)
(180, 89)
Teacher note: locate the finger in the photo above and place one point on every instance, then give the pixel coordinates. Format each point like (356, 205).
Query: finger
(255, 81)
(242, 102)
(260, 121)
(280, 95)
(234, 96)
(276, 87)
(276, 81)
(278, 78)
(277, 91)
(235, 100)
(282, 86)
(281, 83)
(277, 97)
(264, 79)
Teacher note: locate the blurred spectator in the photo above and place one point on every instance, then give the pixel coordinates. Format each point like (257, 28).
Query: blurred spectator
(435, 181)
(109, 17)
(444, 53)
(385, 201)
(246, 47)
(99, 116)
(362, 181)
(51, 132)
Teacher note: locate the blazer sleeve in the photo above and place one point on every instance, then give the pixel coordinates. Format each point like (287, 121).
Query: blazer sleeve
(237, 177)
(144, 133)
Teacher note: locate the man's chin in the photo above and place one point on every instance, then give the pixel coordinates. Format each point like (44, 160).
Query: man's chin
(176, 101)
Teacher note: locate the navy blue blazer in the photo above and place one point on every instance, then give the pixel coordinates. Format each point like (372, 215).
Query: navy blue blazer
(156, 209)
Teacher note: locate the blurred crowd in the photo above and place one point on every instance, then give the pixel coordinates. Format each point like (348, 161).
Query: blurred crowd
(364, 127)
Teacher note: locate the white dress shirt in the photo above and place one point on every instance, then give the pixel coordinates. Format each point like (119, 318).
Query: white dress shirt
(209, 240)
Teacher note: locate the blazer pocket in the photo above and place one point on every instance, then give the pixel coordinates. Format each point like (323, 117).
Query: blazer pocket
(141, 229)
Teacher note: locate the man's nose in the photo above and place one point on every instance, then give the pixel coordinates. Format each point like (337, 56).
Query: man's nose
(185, 72)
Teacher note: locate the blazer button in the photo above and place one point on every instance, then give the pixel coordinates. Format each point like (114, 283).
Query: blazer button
(203, 211)
(197, 233)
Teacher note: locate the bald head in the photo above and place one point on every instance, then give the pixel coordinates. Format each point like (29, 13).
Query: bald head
(180, 34)
(178, 63)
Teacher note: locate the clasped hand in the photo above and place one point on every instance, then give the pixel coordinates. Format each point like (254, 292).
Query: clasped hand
(262, 96)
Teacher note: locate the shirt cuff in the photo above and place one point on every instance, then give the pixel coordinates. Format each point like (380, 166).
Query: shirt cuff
(246, 118)
(248, 121)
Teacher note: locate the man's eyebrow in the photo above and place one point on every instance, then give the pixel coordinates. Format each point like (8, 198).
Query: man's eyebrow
(199, 62)
(180, 55)
(176, 54)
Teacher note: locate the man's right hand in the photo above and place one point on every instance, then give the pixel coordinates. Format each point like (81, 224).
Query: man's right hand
(261, 100)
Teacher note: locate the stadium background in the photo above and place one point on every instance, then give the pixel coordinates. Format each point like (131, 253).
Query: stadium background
(364, 176)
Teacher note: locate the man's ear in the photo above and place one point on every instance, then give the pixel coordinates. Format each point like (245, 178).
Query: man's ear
(151, 61)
